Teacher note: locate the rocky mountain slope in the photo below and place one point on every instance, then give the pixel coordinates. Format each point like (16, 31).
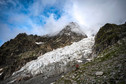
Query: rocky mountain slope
(54, 62)
(109, 63)
(23, 48)
(101, 60)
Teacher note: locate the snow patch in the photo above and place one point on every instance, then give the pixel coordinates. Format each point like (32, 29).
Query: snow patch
(39, 43)
(89, 60)
(79, 61)
(1, 73)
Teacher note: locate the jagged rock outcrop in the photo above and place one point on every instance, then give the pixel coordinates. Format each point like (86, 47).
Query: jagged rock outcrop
(109, 48)
(24, 48)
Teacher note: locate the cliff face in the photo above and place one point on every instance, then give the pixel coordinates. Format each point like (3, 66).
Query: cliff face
(24, 48)
(108, 66)
(108, 35)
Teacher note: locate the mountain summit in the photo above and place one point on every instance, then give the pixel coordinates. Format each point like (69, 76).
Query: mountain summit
(71, 29)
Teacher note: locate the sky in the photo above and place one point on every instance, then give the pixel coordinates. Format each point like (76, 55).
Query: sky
(42, 17)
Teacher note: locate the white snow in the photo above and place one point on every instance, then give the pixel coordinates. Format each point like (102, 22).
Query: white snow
(1, 73)
(1, 69)
(46, 63)
(89, 60)
(79, 61)
(39, 43)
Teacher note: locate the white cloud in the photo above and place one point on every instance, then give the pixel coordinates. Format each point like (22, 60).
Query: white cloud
(6, 33)
(95, 13)
(52, 25)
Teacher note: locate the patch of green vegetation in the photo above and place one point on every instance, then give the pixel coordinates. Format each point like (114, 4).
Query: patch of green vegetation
(108, 35)
(67, 82)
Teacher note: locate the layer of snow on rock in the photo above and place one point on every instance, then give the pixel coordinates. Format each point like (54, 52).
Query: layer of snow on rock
(46, 63)
(39, 43)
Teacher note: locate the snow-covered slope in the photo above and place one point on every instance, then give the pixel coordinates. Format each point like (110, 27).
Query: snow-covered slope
(56, 61)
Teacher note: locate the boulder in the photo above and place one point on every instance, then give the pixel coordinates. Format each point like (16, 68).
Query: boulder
(99, 73)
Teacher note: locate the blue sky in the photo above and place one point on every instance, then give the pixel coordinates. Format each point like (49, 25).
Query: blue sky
(17, 16)
(48, 16)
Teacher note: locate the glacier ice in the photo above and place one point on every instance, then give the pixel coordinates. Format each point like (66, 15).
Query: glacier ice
(59, 60)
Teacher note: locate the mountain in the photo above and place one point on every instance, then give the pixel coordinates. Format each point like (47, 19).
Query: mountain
(71, 30)
(108, 65)
(67, 57)
(23, 48)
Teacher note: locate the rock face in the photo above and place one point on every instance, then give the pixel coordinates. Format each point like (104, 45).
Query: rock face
(109, 63)
(108, 35)
(24, 48)
(73, 29)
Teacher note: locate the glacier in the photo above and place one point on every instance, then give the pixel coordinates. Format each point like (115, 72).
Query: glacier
(59, 60)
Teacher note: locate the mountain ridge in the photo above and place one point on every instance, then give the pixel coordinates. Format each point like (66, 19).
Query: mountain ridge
(72, 27)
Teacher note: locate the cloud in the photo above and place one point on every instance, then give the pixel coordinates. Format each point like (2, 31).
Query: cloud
(49, 16)
(95, 13)
(6, 33)
(52, 26)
